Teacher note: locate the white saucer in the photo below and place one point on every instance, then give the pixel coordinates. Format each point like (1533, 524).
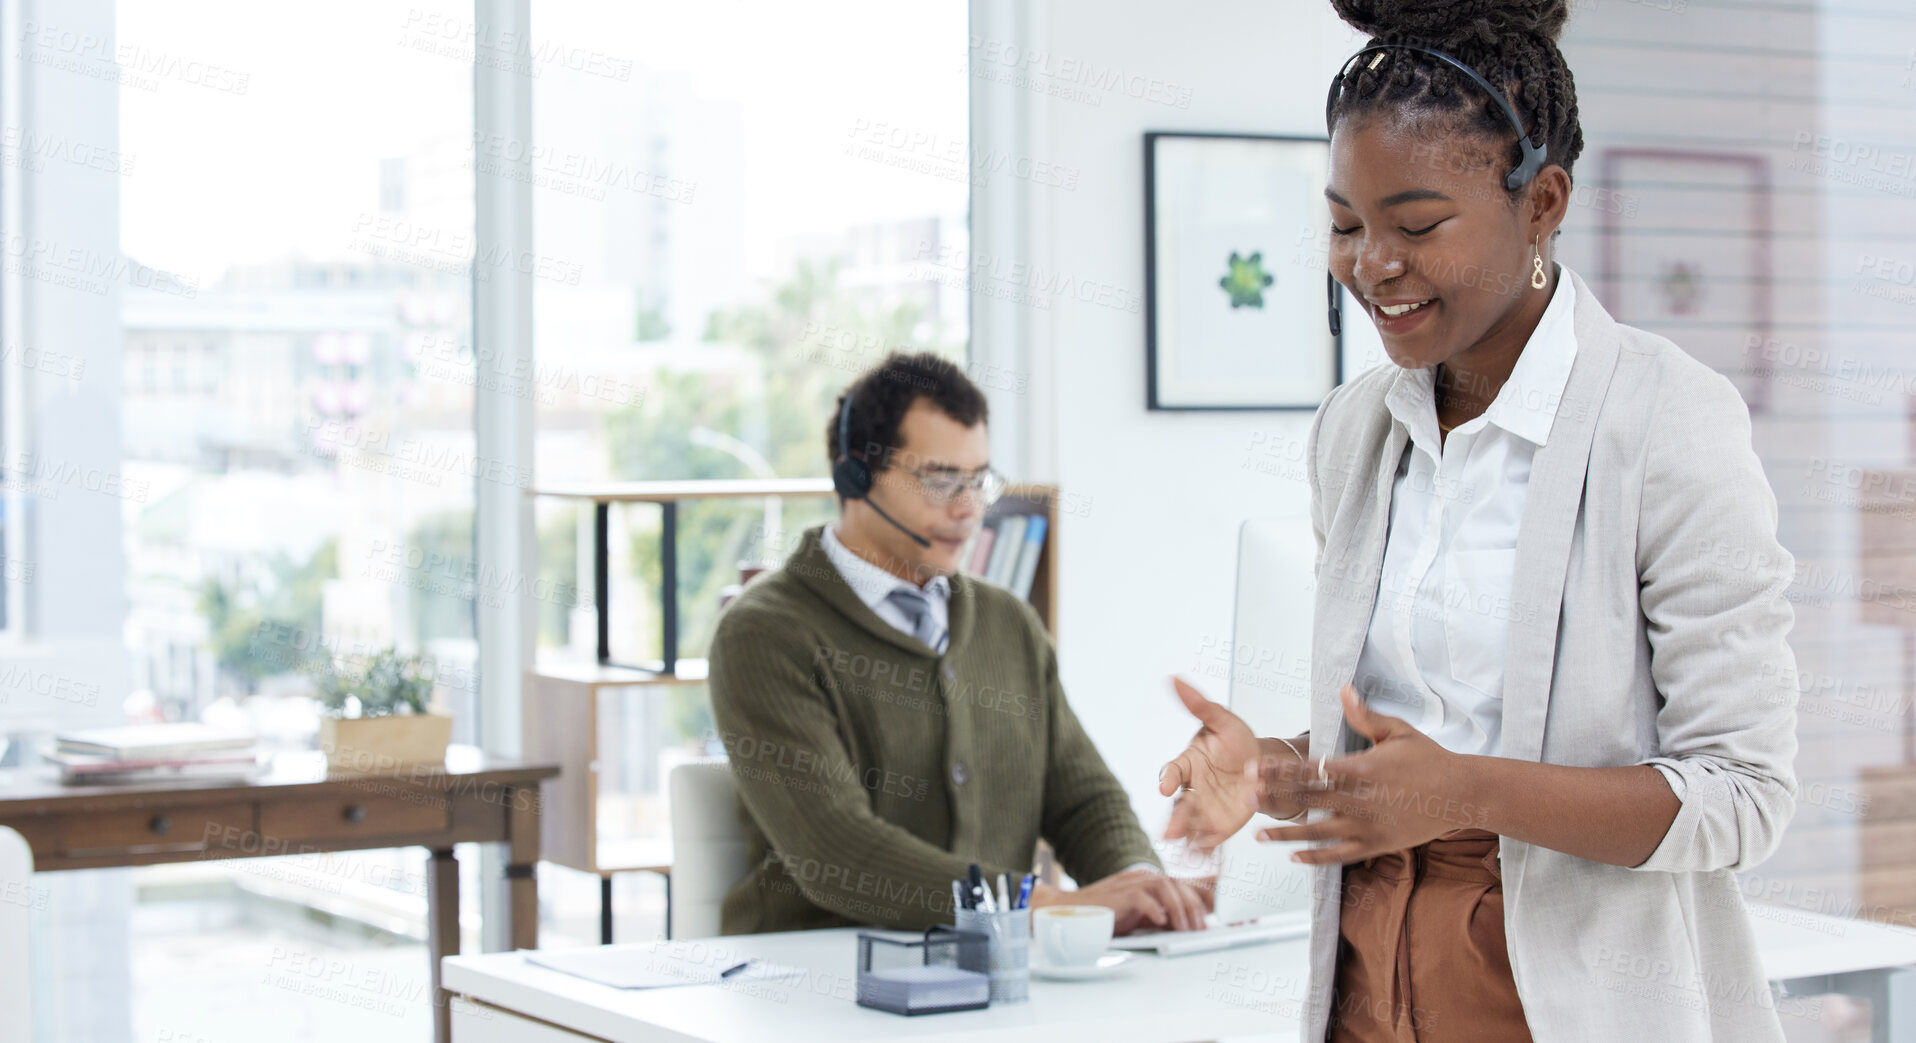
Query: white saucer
(1110, 963)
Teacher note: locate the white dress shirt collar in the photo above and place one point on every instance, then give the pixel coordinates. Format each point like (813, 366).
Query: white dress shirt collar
(871, 583)
(1527, 403)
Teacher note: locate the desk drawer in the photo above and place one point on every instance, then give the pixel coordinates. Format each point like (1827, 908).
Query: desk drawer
(195, 825)
(331, 818)
(42, 832)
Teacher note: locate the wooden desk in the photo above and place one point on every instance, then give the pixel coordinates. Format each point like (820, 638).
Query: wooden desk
(296, 808)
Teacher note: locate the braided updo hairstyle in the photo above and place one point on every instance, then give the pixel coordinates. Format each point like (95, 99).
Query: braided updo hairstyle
(1511, 43)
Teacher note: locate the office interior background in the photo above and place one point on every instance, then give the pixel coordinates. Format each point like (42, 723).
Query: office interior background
(299, 306)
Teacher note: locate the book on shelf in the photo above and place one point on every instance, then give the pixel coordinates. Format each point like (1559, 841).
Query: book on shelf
(1005, 551)
(1027, 567)
(980, 552)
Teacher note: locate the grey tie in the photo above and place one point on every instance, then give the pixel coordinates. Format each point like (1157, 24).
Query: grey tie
(917, 609)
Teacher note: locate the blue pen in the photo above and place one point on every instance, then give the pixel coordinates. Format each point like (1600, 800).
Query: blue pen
(1024, 892)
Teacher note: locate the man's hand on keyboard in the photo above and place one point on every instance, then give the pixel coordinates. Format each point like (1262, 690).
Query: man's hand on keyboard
(1141, 898)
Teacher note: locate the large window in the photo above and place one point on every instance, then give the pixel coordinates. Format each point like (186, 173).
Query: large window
(300, 414)
(734, 204)
(297, 410)
(730, 199)
(729, 207)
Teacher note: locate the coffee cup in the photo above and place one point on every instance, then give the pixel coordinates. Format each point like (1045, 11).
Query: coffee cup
(1072, 935)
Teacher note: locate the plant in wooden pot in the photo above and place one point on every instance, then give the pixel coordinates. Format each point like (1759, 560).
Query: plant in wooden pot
(375, 717)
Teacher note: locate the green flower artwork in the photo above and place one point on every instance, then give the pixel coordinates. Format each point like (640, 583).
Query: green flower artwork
(1245, 280)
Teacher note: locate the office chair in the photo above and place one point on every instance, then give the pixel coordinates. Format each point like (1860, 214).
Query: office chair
(16, 909)
(708, 845)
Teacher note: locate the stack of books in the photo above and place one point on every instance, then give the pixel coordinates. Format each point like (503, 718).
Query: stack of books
(141, 752)
(1005, 551)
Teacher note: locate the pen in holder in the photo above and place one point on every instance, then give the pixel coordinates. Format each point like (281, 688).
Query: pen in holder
(1010, 954)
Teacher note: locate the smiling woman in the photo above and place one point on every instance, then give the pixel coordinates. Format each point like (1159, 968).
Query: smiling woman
(1538, 687)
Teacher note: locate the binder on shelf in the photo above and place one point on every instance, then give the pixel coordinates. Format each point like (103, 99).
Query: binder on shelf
(1004, 551)
(1028, 555)
(981, 541)
(1016, 548)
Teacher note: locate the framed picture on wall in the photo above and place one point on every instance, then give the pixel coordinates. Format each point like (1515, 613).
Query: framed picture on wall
(1685, 252)
(1236, 237)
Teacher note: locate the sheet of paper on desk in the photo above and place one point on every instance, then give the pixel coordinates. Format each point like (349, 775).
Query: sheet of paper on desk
(655, 966)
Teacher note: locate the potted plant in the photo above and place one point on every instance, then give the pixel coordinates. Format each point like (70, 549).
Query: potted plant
(375, 717)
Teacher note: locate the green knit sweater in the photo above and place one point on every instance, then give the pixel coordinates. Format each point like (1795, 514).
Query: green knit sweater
(872, 770)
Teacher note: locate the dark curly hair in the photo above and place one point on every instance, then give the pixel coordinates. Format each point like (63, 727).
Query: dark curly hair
(1511, 43)
(884, 394)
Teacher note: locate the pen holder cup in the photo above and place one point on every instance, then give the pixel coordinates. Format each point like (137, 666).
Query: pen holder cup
(1010, 954)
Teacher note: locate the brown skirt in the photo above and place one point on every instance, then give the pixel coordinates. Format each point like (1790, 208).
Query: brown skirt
(1420, 952)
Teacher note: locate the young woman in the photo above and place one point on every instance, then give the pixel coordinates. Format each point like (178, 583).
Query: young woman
(1548, 585)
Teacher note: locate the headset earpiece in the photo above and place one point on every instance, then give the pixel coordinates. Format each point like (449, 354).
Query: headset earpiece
(851, 477)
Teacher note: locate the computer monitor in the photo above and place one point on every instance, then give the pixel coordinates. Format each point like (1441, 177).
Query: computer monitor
(1270, 657)
(1271, 624)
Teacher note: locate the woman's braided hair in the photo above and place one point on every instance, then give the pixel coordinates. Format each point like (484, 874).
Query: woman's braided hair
(1511, 43)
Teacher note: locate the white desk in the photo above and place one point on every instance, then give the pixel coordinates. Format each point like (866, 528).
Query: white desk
(1249, 992)
(1153, 999)
(1812, 954)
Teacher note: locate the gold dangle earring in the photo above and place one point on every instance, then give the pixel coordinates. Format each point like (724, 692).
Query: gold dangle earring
(1537, 279)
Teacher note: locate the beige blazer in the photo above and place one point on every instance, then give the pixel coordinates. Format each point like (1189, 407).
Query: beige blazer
(1647, 625)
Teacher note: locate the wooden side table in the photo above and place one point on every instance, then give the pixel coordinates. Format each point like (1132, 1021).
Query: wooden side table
(296, 808)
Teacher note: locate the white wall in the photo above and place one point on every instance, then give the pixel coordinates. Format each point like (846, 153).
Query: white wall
(1147, 563)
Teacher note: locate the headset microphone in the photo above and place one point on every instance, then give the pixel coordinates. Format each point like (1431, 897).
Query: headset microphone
(1330, 287)
(852, 477)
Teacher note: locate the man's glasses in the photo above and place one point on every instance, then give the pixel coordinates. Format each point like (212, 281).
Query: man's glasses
(944, 484)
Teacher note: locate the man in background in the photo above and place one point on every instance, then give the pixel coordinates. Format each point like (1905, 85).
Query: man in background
(890, 721)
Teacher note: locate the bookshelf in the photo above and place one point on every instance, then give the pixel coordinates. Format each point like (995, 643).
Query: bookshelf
(1042, 500)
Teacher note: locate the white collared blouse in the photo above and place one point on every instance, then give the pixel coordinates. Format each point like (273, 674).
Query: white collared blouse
(1434, 654)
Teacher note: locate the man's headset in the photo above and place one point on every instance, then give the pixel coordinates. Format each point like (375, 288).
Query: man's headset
(1520, 175)
(852, 477)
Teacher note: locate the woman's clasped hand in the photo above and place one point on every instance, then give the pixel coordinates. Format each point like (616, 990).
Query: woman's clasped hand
(1402, 791)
